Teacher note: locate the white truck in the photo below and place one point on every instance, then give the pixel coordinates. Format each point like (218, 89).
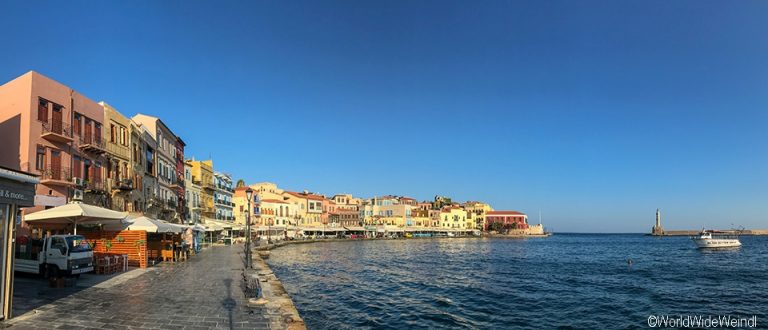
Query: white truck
(52, 256)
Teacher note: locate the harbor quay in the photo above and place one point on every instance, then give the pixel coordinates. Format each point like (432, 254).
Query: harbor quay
(206, 292)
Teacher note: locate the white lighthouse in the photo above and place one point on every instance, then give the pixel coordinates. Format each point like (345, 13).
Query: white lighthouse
(657, 229)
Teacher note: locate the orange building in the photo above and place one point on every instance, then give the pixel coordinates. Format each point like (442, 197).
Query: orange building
(53, 131)
(507, 218)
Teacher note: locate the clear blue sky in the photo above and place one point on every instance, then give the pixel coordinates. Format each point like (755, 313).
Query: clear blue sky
(596, 113)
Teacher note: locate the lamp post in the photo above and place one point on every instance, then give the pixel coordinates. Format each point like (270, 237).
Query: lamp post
(249, 195)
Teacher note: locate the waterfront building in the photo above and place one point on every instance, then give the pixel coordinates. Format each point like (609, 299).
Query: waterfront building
(275, 212)
(119, 169)
(453, 217)
(408, 201)
(181, 186)
(344, 218)
(421, 218)
(386, 210)
(166, 172)
(240, 201)
(344, 211)
(434, 216)
(310, 207)
(146, 147)
(476, 214)
(193, 197)
(202, 175)
(267, 190)
(222, 196)
(372, 209)
(51, 130)
(496, 220)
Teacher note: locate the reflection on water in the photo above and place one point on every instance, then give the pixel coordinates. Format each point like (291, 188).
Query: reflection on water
(580, 280)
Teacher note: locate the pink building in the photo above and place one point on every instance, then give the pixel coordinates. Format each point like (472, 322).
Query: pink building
(507, 218)
(53, 131)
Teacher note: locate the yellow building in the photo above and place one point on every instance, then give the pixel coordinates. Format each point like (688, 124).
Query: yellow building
(267, 190)
(119, 169)
(202, 175)
(309, 207)
(240, 200)
(420, 218)
(476, 214)
(453, 217)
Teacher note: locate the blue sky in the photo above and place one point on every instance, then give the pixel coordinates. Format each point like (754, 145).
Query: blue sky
(595, 112)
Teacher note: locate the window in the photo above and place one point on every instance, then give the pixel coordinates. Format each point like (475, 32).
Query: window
(97, 132)
(78, 166)
(135, 153)
(40, 158)
(150, 161)
(42, 110)
(123, 136)
(97, 172)
(78, 123)
(112, 133)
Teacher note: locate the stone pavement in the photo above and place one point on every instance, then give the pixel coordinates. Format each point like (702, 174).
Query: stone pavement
(205, 292)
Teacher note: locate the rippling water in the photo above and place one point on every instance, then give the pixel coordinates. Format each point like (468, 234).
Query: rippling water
(575, 280)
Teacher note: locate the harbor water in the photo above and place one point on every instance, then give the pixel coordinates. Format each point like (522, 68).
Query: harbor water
(579, 280)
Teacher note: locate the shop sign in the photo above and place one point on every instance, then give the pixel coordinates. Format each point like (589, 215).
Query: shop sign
(17, 193)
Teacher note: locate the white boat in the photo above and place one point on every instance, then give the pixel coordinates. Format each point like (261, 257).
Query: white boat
(705, 240)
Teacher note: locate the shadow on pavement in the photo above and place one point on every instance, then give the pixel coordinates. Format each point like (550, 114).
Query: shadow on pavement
(31, 291)
(229, 303)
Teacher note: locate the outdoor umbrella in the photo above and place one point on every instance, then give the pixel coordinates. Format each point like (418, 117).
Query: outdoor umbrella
(75, 213)
(147, 224)
(198, 227)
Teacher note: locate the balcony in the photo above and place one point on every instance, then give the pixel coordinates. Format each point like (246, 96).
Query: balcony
(209, 186)
(94, 185)
(118, 150)
(225, 203)
(225, 188)
(91, 144)
(123, 185)
(57, 131)
(56, 176)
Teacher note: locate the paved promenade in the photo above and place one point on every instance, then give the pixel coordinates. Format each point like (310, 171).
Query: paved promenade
(205, 292)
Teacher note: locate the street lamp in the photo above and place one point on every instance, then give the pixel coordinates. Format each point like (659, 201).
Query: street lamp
(249, 195)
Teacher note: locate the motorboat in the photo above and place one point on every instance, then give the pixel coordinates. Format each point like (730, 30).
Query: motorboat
(711, 239)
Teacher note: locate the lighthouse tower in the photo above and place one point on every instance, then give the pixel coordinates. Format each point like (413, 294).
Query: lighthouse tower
(657, 229)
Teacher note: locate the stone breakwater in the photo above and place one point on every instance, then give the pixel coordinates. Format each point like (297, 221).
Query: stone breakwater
(278, 306)
(747, 232)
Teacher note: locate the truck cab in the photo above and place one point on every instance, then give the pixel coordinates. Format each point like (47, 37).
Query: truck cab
(55, 255)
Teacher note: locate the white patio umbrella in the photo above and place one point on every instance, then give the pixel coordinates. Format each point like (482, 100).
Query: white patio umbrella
(75, 213)
(175, 228)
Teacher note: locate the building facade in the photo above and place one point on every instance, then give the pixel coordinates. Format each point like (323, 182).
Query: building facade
(119, 169)
(309, 206)
(498, 220)
(169, 188)
(146, 147)
(222, 196)
(453, 217)
(202, 175)
(56, 133)
(193, 197)
(476, 213)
